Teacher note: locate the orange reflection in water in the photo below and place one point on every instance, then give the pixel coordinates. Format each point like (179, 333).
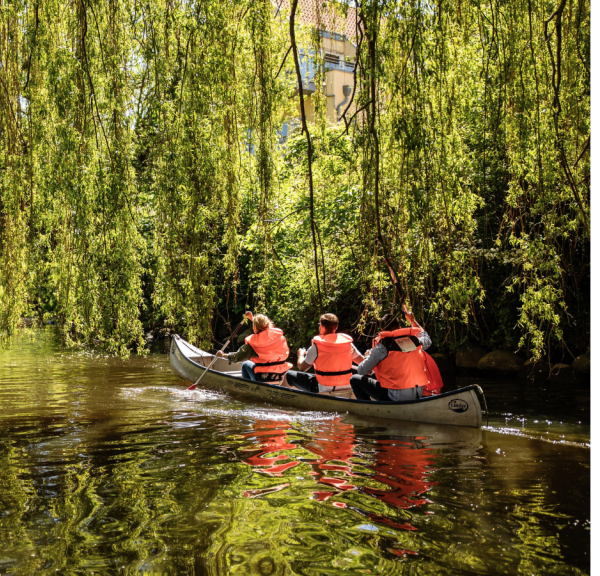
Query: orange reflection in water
(402, 464)
(334, 451)
(272, 440)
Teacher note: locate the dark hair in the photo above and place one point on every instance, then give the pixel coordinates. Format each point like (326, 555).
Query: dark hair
(330, 322)
(390, 323)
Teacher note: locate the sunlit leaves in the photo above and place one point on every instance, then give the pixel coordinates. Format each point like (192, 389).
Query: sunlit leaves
(142, 175)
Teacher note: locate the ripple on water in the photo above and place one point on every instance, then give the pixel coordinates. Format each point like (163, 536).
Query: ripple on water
(113, 467)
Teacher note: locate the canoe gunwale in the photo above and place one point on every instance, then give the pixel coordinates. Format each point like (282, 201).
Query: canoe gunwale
(318, 395)
(344, 404)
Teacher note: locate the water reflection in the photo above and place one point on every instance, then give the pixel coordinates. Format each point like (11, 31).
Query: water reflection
(272, 441)
(392, 470)
(112, 468)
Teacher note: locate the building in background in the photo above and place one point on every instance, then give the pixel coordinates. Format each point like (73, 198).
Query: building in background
(338, 37)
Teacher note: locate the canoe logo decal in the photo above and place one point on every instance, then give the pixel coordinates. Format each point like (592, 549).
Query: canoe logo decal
(458, 405)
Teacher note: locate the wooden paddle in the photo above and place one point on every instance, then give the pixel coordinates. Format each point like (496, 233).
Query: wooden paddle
(395, 279)
(246, 315)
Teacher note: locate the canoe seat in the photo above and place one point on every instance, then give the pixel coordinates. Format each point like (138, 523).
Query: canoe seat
(340, 393)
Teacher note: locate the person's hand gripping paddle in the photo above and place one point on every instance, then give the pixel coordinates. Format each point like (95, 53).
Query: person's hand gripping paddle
(246, 315)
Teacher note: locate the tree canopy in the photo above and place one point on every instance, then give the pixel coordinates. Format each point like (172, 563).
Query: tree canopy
(143, 179)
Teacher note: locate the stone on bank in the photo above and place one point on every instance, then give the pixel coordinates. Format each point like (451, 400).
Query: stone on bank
(469, 357)
(582, 364)
(501, 360)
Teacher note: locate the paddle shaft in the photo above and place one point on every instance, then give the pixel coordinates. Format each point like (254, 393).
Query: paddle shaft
(193, 386)
(395, 280)
(399, 292)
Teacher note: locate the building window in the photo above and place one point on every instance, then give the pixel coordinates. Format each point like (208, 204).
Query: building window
(332, 59)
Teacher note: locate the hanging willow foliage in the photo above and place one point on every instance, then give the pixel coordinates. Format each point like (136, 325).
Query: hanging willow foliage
(477, 120)
(143, 181)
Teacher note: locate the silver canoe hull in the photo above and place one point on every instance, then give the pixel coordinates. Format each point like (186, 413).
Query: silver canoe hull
(457, 408)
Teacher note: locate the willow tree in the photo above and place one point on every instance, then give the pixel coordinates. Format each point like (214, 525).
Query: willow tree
(69, 196)
(475, 170)
(124, 149)
(143, 179)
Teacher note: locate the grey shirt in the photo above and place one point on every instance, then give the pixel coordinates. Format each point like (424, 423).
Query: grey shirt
(380, 352)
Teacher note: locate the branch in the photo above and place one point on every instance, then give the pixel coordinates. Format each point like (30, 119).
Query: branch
(372, 44)
(309, 143)
(13, 112)
(585, 147)
(350, 121)
(556, 79)
(34, 43)
(343, 116)
(284, 59)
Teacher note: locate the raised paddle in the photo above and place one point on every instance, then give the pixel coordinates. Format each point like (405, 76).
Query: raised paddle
(393, 275)
(246, 315)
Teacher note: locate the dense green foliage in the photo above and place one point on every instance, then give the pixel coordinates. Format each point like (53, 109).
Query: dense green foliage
(143, 181)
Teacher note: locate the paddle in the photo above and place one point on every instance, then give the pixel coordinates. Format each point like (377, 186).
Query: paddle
(410, 317)
(395, 279)
(246, 315)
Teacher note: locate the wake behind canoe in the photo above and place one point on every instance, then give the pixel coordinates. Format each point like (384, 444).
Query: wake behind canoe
(456, 408)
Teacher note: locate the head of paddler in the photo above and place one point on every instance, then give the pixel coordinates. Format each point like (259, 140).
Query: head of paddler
(328, 324)
(389, 323)
(260, 323)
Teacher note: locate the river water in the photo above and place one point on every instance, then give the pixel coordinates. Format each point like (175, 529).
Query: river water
(112, 467)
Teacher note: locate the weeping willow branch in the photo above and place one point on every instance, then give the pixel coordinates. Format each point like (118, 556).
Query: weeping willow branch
(309, 151)
(370, 21)
(556, 80)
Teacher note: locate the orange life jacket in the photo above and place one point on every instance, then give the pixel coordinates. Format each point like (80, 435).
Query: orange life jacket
(400, 370)
(433, 375)
(333, 366)
(271, 350)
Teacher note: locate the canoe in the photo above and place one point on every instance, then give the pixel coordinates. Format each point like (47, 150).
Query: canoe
(459, 407)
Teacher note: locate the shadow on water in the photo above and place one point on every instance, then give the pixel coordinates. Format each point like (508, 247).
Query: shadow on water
(111, 467)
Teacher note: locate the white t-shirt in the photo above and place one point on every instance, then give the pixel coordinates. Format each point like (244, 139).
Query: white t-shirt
(311, 356)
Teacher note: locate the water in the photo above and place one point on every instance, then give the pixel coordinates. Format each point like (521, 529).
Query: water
(111, 467)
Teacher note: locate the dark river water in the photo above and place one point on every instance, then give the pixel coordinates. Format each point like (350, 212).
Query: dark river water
(112, 467)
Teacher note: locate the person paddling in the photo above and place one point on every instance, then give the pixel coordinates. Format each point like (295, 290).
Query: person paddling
(331, 354)
(264, 353)
(399, 363)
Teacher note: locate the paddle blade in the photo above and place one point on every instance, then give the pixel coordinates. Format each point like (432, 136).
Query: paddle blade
(192, 387)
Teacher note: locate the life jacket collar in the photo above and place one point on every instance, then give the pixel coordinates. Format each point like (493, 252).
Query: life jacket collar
(400, 332)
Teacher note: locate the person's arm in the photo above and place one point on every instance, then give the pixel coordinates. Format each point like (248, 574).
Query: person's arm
(378, 354)
(422, 336)
(424, 339)
(357, 357)
(305, 361)
(244, 353)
